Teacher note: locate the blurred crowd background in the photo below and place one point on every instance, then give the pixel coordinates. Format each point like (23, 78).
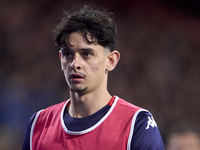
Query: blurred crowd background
(159, 69)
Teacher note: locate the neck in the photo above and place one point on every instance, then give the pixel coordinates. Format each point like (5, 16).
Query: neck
(83, 105)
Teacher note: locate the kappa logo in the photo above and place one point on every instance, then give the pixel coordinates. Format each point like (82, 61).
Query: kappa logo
(151, 122)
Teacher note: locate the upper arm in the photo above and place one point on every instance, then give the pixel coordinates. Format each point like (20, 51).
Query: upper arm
(26, 144)
(146, 135)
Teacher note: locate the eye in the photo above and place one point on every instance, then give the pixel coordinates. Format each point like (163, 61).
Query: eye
(86, 54)
(67, 53)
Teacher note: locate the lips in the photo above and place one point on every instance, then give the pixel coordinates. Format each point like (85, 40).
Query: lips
(77, 77)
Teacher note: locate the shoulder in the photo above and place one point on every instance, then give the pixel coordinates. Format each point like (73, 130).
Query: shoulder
(144, 132)
(127, 109)
(54, 109)
(128, 106)
(56, 106)
(51, 113)
(140, 115)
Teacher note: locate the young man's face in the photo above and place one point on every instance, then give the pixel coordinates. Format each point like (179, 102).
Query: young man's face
(84, 65)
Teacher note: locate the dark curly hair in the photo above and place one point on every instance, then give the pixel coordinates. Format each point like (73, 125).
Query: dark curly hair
(97, 26)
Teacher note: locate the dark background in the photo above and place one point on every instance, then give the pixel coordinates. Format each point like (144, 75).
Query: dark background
(159, 67)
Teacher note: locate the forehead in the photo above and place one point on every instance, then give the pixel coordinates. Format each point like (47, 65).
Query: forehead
(76, 37)
(85, 36)
(76, 40)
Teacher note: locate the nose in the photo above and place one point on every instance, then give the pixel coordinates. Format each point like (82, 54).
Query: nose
(76, 62)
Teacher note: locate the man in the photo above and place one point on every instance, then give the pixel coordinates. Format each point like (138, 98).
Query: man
(183, 137)
(91, 118)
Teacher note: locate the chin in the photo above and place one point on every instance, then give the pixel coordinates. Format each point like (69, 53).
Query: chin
(78, 90)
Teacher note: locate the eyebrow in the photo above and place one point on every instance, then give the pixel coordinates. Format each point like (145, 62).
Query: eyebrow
(64, 49)
(87, 49)
(82, 49)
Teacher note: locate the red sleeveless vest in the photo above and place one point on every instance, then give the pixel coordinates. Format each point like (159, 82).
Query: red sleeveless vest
(113, 132)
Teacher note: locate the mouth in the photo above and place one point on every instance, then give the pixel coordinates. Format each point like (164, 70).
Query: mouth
(76, 77)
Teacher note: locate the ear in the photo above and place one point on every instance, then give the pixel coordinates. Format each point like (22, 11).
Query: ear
(113, 58)
(60, 56)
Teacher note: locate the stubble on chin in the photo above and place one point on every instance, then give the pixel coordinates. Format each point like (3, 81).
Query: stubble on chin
(78, 90)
